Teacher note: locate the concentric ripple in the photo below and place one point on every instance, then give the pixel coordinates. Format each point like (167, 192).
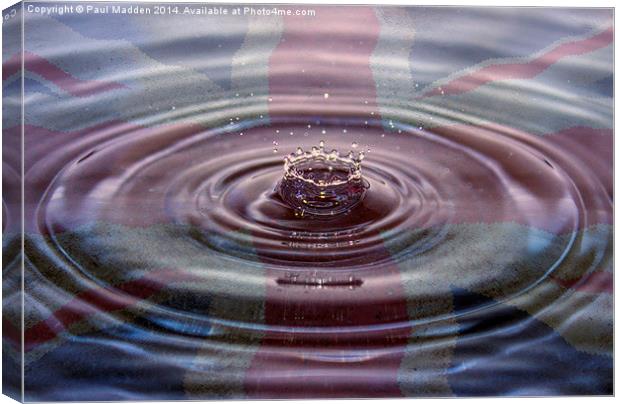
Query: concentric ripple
(219, 191)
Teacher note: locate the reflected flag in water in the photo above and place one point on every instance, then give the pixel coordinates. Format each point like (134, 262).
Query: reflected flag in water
(157, 318)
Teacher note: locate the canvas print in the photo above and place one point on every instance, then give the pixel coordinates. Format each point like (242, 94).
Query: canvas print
(236, 201)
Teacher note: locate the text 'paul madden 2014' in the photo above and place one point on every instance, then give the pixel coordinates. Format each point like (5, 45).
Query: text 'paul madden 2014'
(147, 9)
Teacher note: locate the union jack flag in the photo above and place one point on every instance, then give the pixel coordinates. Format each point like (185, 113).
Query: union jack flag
(83, 340)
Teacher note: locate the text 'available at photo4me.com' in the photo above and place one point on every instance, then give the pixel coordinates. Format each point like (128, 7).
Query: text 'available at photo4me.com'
(95, 9)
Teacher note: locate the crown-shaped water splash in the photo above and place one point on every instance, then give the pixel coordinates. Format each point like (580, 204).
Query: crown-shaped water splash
(322, 183)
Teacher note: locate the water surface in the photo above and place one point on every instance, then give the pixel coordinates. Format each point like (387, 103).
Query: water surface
(165, 259)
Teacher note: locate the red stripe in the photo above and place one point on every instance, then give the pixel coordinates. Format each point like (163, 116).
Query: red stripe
(97, 300)
(363, 363)
(585, 154)
(525, 70)
(41, 66)
(595, 282)
(11, 333)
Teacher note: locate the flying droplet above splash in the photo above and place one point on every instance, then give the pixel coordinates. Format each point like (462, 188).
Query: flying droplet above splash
(322, 183)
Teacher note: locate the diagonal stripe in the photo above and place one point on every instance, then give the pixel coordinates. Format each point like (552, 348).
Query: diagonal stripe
(596, 282)
(96, 300)
(41, 66)
(524, 70)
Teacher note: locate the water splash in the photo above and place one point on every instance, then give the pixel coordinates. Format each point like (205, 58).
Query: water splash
(322, 183)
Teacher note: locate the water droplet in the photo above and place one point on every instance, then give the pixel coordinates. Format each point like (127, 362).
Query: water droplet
(323, 131)
(354, 145)
(269, 99)
(344, 131)
(320, 183)
(241, 134)
(326, 95)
